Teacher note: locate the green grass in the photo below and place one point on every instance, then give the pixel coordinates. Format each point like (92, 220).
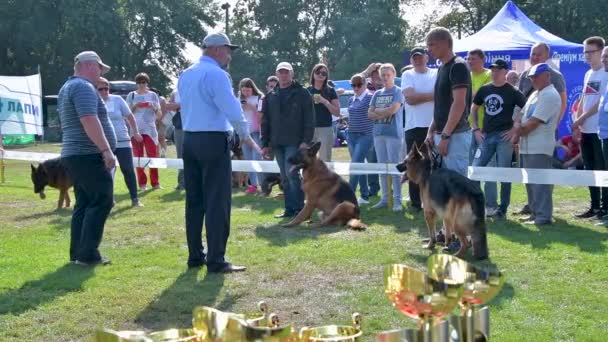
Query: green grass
(556, 288)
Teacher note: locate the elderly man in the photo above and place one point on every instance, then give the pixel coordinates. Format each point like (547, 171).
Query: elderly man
(87, 153)
(209, 112)
(536, 133)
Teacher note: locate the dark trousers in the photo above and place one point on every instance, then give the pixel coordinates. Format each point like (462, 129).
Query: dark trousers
(292, 184)
(207, 178)
(593, 159)
(94, 192)
(373, 181)
(415, 136)
(125, 159)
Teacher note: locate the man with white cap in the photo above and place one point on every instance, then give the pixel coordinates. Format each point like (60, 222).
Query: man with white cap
(87, 154)
(535, 131)
(288, 123)
(209, 112)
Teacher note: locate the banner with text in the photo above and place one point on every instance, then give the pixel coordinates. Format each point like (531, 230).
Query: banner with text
(21, 105)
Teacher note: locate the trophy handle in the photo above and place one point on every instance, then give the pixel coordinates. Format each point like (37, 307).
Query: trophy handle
(356, 317)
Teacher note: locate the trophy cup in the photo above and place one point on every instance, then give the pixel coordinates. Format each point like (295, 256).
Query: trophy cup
(422, 298)
(333, 333)
(480, 286)
(173, 335)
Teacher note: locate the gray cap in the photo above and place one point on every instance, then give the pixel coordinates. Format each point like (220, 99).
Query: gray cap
(284, 66)
(218, 39)
(91, 56)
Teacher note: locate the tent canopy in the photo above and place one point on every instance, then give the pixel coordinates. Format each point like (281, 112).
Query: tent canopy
(512, 32)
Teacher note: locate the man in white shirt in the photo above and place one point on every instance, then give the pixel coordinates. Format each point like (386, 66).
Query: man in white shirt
(418, 85)
(536, 134)
(587, 120)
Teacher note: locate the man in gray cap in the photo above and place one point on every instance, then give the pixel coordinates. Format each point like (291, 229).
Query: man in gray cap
(210, 111)
(87, 154)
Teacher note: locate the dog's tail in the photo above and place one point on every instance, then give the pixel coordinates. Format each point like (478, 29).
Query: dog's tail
(479, 233)
(356, 224)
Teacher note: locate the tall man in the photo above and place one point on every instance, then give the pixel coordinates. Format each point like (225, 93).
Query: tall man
(603, 116)
(417, 84)
(537, 143)
(287, 125)
(500, 100)
(88, 142)
(540, 53)
(449, 131)
(587, 120)
(209, 113)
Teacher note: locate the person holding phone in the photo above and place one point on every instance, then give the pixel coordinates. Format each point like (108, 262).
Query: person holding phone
(145, 105)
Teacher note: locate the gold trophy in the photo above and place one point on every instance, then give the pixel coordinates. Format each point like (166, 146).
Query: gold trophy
(332, 333)
(480, 286)
(422, 298)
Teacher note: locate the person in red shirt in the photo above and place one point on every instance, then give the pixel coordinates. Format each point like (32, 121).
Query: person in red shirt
(571, 146)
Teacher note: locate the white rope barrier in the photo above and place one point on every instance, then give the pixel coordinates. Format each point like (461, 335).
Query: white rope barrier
(489, 174)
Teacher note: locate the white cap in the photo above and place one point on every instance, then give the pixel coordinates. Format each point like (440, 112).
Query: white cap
(284, 66)
(91, 56)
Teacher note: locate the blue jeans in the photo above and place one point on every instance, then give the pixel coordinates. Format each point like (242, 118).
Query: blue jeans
(359, 145)
(251, 154)
(388, 150)
(292, 185)
(372, 180)
(490, 189)
(458, 151)
(495, 147)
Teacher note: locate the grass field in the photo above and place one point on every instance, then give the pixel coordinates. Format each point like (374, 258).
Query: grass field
(556, 288)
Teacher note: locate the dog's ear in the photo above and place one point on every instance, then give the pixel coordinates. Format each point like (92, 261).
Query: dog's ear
(33, 168)
(312, 150)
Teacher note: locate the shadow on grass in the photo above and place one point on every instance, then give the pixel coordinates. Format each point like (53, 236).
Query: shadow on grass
(586, 239)
(282, 236)
(173, 308)
(173, 196)
(66, 279)
(63, 212)
(264, 205)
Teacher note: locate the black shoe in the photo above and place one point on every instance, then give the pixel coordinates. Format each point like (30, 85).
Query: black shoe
(527, 218)
(414, 208)
(196, 263)
(588, 214)
(103, 261)
(524, 211)
(228, 268)
(600, 214)
(439, 238)
(284, 214)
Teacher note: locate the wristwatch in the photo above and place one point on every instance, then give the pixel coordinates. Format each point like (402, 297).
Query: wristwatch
(445, 136)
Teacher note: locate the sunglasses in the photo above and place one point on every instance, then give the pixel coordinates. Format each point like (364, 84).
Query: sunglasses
(142, 82)
(322, 73)
(358, 85)
(103, 88)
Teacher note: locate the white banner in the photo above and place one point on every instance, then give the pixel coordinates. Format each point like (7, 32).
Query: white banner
(21, 105)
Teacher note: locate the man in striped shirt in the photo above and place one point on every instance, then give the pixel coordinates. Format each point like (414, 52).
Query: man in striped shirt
(88, 142)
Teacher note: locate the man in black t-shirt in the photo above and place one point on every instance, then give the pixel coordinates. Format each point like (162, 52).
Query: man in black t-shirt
(500, 100)
(450, 131)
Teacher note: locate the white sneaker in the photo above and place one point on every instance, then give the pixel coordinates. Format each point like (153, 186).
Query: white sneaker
(362, 200)
(397, 207)
(491, 211)
(380, 204)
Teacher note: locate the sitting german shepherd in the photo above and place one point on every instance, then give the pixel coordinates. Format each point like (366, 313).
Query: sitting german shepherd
(324, 190)
(52, 173)
(451, 196)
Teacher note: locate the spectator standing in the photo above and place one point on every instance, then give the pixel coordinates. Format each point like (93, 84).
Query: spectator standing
(145, 105)
(326, 105)
(178, 134)
(87, 144)
(119, 115)
(250, 97)
(417, 84)
(288, 124)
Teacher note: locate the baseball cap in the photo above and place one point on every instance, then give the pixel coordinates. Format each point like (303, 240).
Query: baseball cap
(418, 51)
(538, 69)
(284, 65)
(218, 39)
(91, 56)
(500, 64)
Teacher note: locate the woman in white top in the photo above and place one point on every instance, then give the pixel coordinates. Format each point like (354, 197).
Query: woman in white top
(145, 105)
(250, 97)
(120, 115)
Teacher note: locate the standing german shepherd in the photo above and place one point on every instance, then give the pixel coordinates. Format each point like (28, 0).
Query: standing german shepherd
(326, 191)
(52, 173)
(451, 196)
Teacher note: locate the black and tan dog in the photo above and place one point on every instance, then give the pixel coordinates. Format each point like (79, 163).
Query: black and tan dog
(326, 191)
(52, 173)
(449, 195)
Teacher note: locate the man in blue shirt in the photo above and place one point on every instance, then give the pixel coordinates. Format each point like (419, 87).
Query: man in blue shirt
(210, 111)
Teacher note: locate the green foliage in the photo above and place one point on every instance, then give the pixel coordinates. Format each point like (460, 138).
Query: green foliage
(130, 35)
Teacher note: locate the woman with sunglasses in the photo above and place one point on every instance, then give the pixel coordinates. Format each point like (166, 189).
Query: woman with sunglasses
(385, 110)
(119, 115)
(145, 105)
(360, 137)
(326, 104)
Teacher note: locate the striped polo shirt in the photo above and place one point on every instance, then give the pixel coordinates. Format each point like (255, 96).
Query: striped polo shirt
(78, 98)
(358, 122)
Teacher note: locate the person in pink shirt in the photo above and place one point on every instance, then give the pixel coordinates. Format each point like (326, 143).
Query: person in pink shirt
(250, 97)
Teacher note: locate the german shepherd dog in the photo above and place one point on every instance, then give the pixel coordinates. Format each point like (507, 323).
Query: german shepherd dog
(324, 190)
(269, 181)
(239, 179)
(451, 196)
(52, 173)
